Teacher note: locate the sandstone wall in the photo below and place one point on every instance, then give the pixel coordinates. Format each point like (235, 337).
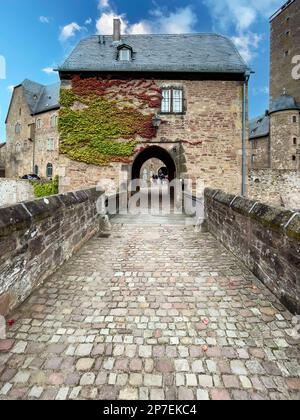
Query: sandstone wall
(37, 237)
(259, 155)
(265, 238)
(14, 191)
(207, 138)
(285, 37)
(275, 187)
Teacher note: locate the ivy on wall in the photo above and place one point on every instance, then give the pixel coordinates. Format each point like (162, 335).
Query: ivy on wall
(101, 119)
(45, 189)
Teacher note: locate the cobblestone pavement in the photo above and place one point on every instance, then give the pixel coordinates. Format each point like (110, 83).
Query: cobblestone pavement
(157, 312)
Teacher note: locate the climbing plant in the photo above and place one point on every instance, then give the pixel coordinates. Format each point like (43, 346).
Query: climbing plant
(101, 120)
(45, 189)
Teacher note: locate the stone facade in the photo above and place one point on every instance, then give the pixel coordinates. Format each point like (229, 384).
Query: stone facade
(32, 142)
(276, 187)
(285, 44)
(259, 155)
(2, 159)
(37, 237)
(267, 239)
(14, 191)
(205, 141)
(285, 140)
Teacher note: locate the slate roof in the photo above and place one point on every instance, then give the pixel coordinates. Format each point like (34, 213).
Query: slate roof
(41, 98)
(259, 127)
(284, 102)
(197, 53)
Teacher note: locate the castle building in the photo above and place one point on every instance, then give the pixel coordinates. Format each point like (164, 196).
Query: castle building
(32, 140)
(275, 136)
(127, 99)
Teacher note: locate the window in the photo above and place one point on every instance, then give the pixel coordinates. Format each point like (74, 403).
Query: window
(253, 158)
(18, 128)
(49, 170)
(124, 54)
(294, 158)
(294, 119)
(39, 124)
(18, 148)
(295, 141)
(286, 53)
(20, 112)
(36, 170)
(53, 121)
(254, 144)
(50, 145)
(172, 102)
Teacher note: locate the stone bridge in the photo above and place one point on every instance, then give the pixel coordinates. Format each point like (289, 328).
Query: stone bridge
(154, 309)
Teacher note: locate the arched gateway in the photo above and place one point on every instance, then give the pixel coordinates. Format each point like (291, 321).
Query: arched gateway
(154, 152)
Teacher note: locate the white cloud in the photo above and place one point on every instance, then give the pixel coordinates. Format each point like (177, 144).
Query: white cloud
(104, 24)
(88, 21)
(240, 16)
(10, 88)
(48, 70)
(104, 4)
(182, 20)
(44, 19)
(69, 31)
(247, 44)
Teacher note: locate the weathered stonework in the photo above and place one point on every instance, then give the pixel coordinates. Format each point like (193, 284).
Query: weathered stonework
(265, 238)
(283, 147)
(29, 147)
(285, 44)
(38, 236)
(14, 191)
(207, 139)
(259, 156)
(275, 187)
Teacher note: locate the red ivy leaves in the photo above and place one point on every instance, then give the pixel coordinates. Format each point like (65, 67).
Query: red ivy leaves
(145, 91)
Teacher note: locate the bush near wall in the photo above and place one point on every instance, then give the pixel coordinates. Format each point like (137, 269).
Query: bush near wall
(101, 119)
(45, 189)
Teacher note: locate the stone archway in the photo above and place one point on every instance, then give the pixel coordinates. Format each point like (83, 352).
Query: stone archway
(154, 152)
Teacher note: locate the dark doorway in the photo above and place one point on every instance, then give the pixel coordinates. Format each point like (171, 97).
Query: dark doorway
(154, 152)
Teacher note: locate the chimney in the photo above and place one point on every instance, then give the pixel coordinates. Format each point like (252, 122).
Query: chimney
(117, 30)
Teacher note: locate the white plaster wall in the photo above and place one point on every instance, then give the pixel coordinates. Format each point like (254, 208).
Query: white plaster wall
(14, 191)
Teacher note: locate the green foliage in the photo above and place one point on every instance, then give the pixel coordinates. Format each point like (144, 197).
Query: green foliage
(45, 189)
(96, 128)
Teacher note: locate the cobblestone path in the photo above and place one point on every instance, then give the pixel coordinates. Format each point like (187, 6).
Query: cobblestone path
(152, 312)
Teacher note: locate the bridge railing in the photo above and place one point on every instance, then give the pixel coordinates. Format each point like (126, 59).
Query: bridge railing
(265, 238)
(37, 237)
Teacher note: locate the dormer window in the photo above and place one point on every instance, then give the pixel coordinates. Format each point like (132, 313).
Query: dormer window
(124, 53)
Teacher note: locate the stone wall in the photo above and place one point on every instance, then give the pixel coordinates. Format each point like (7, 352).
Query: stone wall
(14, 191)
(275, 187)
(265, 238)
(29, 148)
(285, 139)
(207, 138)
(259, 156)
(37, 237)
(285, 38)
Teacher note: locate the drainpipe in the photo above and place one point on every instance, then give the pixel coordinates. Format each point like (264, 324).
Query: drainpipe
(244, 133)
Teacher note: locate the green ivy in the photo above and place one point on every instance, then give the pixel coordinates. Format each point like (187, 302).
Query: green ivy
(97, 129)
(45, 189)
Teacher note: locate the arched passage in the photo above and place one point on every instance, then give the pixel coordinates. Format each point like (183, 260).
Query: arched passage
(154, 152)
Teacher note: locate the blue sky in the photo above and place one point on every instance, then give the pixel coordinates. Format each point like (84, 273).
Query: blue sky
(36, 35)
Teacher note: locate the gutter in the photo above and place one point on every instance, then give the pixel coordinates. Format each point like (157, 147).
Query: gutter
(244, 131)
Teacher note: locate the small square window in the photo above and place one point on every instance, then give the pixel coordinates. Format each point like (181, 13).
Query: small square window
(124, 54)
(295, 141)
(294, 119)
(286, 53)
(294, 158)
(39, 124)
(50, 145)
(172, 101)
(53, 121)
